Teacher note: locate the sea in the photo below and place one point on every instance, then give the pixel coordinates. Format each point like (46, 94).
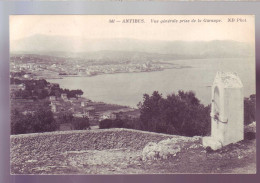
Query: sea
(127, 89)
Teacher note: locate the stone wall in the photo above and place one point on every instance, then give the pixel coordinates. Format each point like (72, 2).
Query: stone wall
(84, 140)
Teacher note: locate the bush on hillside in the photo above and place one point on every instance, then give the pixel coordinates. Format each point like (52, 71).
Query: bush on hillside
(41, 121)
(130, 123)
(64, 117)
(249, 109)
(106, 123)
(37, 89)
(180, 114)
(81, 123)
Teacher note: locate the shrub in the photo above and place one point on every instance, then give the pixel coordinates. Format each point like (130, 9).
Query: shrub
(81, 123)
(109, 123)
(41, 121)
(117, 123)
(64, 117)
(131, 123)
(180, 114)
(249, 109)
(106, 123)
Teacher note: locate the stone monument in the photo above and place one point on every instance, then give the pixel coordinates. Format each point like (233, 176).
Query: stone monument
(227, 111)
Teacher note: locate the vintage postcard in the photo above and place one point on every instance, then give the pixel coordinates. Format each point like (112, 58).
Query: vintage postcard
(132, 94)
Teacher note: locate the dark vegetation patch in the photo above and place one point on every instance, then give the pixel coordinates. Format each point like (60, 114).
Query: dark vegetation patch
(40, 89)
(250, 135)
(177, 114)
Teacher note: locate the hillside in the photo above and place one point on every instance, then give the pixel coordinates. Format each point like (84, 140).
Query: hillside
(120, 151)
(114, 48)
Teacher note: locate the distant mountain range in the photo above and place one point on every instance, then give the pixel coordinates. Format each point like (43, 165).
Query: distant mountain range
(132, 48)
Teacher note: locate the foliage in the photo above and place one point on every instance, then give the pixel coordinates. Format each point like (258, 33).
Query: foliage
(64, 117)
(179, 113)
(249, 109)
(78, 123)
(41, 89)
(117, 123)
(41, 121)
(106, 123)
(73, 93)
(130, 123)
(81, 123)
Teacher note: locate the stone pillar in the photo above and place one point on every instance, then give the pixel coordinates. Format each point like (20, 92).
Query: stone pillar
(227, 111)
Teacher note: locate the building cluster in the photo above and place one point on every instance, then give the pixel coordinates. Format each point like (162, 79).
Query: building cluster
(34, 67)
(50, 68)
(82, 107)
(78, 107)
(82, 70)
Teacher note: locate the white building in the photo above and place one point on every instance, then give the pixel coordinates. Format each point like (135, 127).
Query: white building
(52, 98)
(64, 96)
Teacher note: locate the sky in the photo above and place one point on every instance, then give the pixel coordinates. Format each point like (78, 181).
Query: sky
(98, 27)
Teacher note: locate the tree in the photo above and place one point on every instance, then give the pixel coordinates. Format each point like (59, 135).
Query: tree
(117, 123)
(65, 117)
(106, 123)
(81, 123)
(131, 123)
(249, 109)
(149, 110)
(41, 121)
(180, 114)
(18, 122)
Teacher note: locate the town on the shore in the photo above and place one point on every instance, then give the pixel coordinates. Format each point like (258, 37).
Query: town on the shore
(30, 91)
(55, 67)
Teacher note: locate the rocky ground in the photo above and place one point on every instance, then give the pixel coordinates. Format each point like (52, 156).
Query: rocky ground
(191, 157)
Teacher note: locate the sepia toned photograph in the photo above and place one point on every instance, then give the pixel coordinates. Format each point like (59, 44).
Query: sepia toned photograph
(132, 94)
